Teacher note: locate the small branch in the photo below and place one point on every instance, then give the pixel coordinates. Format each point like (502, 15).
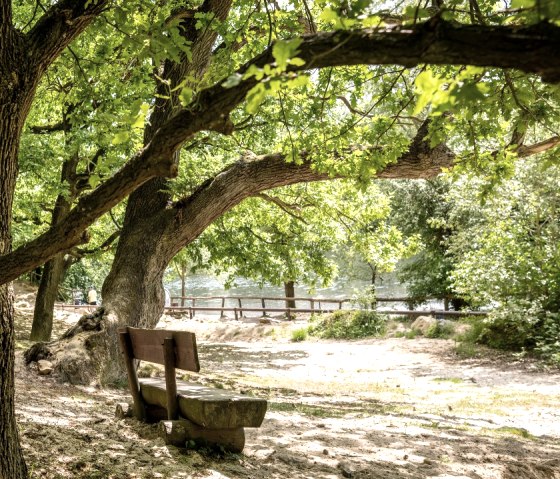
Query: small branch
(61, 24)
(285, 207)
(180, 13)
(46, 129)
(80, 253)
(114, 220)
(527, 150)
(354, 110)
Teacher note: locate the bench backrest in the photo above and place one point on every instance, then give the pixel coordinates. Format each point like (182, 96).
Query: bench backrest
(147, 345)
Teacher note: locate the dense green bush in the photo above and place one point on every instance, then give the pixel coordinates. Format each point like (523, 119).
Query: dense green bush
(518, 327)
(440, 330)
(349, 325)
(547, 339)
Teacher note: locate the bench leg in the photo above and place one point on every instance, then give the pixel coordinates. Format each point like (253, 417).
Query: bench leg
(180, 431)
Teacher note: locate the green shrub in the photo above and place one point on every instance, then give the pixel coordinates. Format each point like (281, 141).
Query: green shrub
(349, 325)
(413, 333)
(511, 327)
(440, 330)
(476, 327)
(547, 338)
(517, 327)
(299, 335)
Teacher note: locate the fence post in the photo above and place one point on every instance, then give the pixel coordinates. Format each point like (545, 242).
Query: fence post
(240, 307)
(193, 306)
(223, 306)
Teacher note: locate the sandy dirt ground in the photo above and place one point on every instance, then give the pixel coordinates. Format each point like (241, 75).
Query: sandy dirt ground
(381, 409)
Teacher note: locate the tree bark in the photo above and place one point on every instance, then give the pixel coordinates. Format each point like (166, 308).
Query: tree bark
(54, 269)
(13, 108)
(53, 272)
(23, 60)
(12, 464)
(290, 292)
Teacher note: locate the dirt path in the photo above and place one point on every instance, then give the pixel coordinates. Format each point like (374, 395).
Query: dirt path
(379, 409)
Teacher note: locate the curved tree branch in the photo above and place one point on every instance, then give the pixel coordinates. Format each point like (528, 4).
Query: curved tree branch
(533, 49)
(72, 231)
(58, 27)
(250, 176)
(527, 150)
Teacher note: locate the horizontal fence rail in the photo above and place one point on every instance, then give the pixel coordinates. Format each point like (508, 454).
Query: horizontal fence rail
(316, 306)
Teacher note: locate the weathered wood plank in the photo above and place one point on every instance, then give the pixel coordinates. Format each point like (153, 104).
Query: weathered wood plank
(179, 432)
(147, 345)
(208, 407)
(126, 350)
(170, 378)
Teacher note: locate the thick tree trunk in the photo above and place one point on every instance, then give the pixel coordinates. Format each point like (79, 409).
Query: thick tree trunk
(133, 291)
(290, 292)
(12, 464)
(54, 269)
(23, 61)
(53, 273)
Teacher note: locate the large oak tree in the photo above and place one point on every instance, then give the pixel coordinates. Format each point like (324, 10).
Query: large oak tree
(32, 37)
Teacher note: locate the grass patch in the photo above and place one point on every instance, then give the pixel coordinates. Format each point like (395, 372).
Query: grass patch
(515, 431)
(467, 350)
(299, 335)
(349, 325)
(410, 334)
(331, 410)
(450, 380)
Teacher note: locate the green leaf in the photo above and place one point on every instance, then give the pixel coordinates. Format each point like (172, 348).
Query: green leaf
(517, 4)
(425, 86)
(255, 97)
(282, 51)
(297, 62)
(120, 137)
(94, 180)
(185, 96)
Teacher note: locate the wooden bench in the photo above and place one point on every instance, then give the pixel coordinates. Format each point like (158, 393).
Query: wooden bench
(187, 411)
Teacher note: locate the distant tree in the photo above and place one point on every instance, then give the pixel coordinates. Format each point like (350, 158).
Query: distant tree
(421, 208)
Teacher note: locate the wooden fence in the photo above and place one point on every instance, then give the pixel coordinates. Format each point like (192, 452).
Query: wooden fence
(316, 306)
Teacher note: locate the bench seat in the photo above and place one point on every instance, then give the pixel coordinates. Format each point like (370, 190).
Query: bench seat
(207, 407)
(186, 411)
